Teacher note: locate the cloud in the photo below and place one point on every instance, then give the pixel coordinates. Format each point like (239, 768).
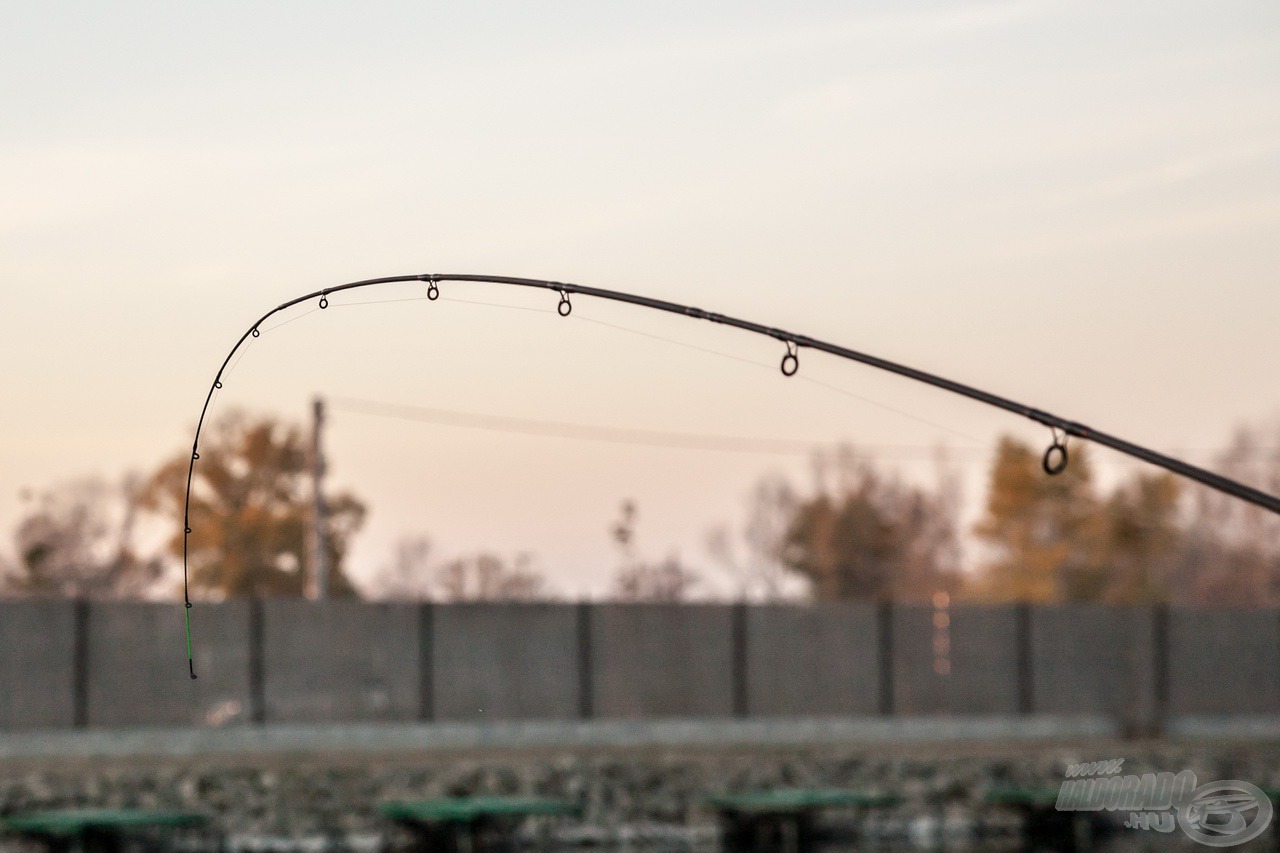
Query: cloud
(1177, 225)
(919, 27)
(1169, 173)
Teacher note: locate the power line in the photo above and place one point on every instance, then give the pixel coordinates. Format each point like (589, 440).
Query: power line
(564, 429)
(656, 438)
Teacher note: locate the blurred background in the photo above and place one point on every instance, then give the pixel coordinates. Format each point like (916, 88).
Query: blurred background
(1073, 205)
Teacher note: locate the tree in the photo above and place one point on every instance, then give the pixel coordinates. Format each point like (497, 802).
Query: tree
(250, 504)
(1054, 538)
(483, 577)
(10, 577)
(1231, 554)
(77, 540)
(1041, 529)
(759, 569)
(667, 580)
(406, 577)
(1141, 539)
(868, 534)
(486, 577)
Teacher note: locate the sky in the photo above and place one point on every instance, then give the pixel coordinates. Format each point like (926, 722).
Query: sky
(1075, 205)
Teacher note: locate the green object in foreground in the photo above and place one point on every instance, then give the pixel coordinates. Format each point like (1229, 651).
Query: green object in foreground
(793, 800)
(69, 822)
(1011, 796)
(469, 809)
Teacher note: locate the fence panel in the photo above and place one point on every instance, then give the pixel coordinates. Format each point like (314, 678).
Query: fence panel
(959, 660)
(505, 661)
(340, 661)
(662, 660)
(37, 664)
(1224, 662)
(819, 660)
(137, 664)
(1094, 660)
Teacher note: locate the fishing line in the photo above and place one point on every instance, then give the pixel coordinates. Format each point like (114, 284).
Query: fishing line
(889, 408)
(442, 299)
(1061, 428)
(239, 358)
(291, 320)
(886, 407)
(678, 343)
(497, 305)
(384, 301)
(213, 401)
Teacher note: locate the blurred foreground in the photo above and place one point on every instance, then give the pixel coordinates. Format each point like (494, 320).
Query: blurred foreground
(637, 785)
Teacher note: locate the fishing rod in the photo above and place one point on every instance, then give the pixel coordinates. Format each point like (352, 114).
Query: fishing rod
(1053, 462)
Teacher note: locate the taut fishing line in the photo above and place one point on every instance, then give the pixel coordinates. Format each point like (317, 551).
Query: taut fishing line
(818, 382)
(1054, 461)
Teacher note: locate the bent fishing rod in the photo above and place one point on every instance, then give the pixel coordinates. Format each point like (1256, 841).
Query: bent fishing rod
(1053, 462)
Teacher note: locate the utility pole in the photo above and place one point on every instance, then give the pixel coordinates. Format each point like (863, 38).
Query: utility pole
(319, 580)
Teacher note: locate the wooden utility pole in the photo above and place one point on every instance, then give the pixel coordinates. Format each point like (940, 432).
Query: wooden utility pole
(319, 579)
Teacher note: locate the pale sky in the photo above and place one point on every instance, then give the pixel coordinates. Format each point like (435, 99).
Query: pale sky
(1076, 205)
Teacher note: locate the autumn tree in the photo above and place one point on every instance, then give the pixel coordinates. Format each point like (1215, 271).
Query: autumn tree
(1041, 530)
(250, 505)
(1057, 538)
(76, 539)
(1140, 541)
(865, 533)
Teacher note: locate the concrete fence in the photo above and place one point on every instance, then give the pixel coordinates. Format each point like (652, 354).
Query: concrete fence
(74, 664)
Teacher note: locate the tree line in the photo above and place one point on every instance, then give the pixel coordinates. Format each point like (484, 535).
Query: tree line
(858, 530)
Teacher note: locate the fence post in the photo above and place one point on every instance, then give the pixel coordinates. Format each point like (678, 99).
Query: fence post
(1024, 662)
(586, 681)
(1160, 666)
(426, 663)
(884, 626)
(80, 664)
(738, 625)
(257, 662)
